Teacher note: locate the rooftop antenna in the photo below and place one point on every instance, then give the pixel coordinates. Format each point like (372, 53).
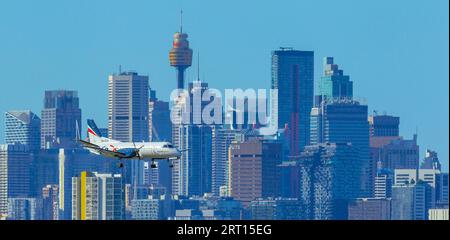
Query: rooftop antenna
(181, 21)
(198, 66)
(120, 69)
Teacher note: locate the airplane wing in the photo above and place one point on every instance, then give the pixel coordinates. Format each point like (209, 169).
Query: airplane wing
(89, 145)
(102, 150)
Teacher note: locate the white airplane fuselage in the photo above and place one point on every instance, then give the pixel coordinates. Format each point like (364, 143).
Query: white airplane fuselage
(127, 150)
(147, 150)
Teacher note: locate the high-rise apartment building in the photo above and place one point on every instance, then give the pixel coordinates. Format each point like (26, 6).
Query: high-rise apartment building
(98, 197)
(71, 162)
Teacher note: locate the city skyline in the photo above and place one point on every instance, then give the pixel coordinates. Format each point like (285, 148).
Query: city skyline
(339, 144)
(378, 49)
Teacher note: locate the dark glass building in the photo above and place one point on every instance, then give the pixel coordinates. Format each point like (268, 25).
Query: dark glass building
(293, 77)
(345, 121)
(330, 177)
(384, 125)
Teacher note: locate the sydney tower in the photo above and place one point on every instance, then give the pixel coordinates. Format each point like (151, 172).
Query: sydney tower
(180, 55)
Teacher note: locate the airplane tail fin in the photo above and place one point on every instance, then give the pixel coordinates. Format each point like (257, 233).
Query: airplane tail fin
(93, 132)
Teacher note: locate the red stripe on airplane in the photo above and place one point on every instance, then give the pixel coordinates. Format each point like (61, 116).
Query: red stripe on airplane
(92, 132)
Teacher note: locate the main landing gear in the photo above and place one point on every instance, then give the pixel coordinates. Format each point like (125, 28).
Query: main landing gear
(120, 165)
(170, 162)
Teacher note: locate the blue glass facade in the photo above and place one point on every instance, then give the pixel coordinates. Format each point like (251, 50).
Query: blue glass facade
(59, 118)
(334, 84)
(293, 77)
(345, 121)
(23, 127)
(329, 176)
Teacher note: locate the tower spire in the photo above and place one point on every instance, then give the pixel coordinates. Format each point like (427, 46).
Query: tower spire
(181, 21)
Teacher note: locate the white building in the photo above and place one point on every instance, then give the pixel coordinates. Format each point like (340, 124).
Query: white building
(438, 214)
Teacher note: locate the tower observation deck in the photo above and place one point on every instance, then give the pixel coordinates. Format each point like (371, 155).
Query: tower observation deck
(180, 55)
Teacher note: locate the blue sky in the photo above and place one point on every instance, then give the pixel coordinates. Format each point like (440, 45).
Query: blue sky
(396, 52)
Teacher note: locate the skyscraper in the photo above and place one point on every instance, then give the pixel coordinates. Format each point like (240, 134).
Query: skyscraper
(23, 127)
(45, 170)
(334, 84)
(59, 119)
(15, 171)
(71, 162)
(191, 174)
(396, 153)
(128, 114)
(193, 170)
(330, 177)
(128, 107)
(253, 169)
(221, 141)
(159, 120)
(345, 121)
(180, 55)
(98, 197)
(384, 125)
(160, 129)
(293, 77)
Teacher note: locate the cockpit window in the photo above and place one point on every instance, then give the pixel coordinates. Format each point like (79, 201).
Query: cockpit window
(168, 146)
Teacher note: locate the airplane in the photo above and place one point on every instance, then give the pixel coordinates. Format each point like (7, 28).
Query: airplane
(100, 145)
